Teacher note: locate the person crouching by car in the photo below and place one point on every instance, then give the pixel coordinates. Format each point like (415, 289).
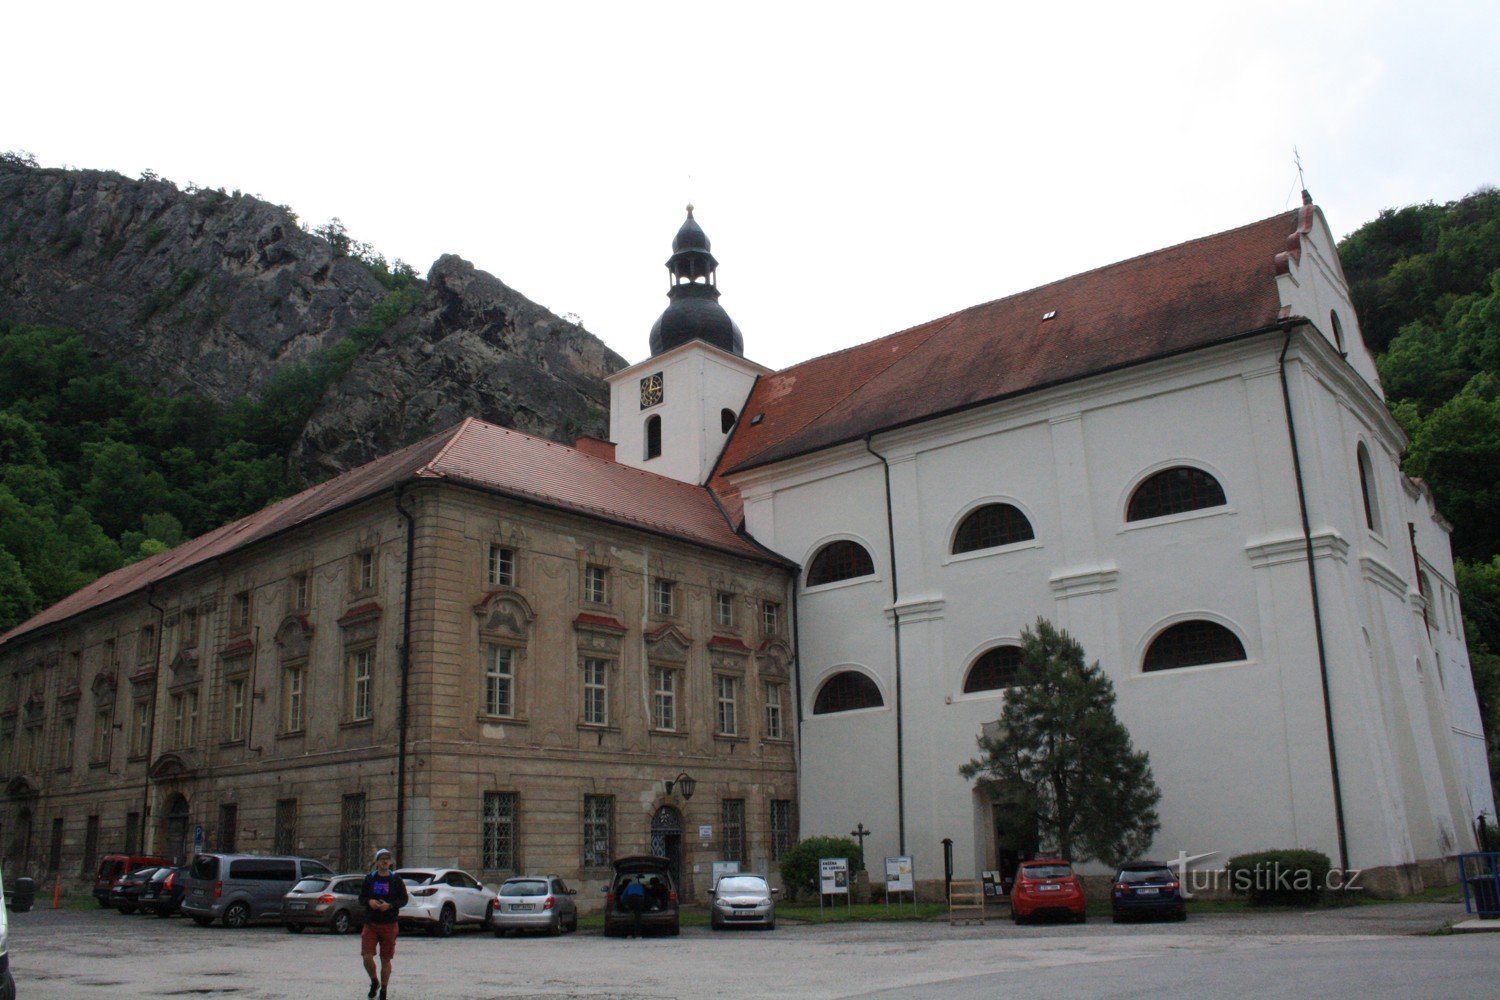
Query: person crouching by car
(382, 895)
(634, 900)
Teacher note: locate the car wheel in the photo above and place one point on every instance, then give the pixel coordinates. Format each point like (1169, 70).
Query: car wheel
(341, 922)
(1181, 916)
(674, 930)
(203, 921)
(489, 917)
(445, 921)
(1080, 918)
(237, 915)
(770, 925)
(103, 903)
(1017, 919)
(555, 928)
(295, 928)
(499, 932)
(127, 909)
(573, 925)
(165, 911)
(1117, 918)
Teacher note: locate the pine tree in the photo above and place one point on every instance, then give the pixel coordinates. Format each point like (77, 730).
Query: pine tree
(1061, 755)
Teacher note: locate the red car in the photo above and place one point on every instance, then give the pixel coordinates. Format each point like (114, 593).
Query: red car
(1046, 887)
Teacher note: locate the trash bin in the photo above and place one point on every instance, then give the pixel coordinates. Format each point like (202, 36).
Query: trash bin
(1484, 890)
(23, 895)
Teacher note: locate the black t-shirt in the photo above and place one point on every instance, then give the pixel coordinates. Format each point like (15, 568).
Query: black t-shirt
(391, 888)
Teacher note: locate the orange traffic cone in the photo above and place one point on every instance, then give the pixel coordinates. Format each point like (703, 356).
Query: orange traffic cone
(57, 893)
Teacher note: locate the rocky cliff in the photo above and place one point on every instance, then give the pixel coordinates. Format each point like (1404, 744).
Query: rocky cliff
(211, 293)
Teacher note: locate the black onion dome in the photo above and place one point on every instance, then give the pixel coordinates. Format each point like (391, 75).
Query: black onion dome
(694, 313)
(691, 236)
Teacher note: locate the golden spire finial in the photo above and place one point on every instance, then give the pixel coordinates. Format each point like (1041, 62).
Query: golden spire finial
(690, 210)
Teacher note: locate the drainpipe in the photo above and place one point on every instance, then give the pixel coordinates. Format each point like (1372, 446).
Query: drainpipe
(161, 641)
(890, 531)
(405, 660)
(1317, 608)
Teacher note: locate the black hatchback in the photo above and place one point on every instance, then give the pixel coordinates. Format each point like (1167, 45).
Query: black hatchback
(162, 894)
(1146, 889)
(125, 894)
(653, 908)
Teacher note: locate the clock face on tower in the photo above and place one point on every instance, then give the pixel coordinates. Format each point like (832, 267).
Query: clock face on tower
(651, 390)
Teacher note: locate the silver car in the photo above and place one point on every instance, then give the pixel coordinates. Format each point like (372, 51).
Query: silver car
(534, 903)
(743, 899)
(327, 901)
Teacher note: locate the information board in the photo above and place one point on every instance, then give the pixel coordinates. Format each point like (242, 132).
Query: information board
(833, 876)
(898, 875)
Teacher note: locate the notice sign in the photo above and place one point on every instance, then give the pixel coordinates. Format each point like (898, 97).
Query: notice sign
(722, 868)
(833, 876)
(898, 875)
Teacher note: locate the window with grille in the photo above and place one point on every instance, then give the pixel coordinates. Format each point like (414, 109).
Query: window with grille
(90, 844)
(234, 709)
(184, 717)
(727, 697)
(352, 833)
(104, 721)
(361, 683)
(596, 585)
(770, 617)
(995, 669)
(499, 680)
(140, 730)
(724, 609)
(240, 611)
(301, 592)
(498, 836)
(846, 691)
(229, 820)
(502, 567)
(364, 569)
(132, 833)
(991, 526)
(663, 597)
(65, 744)
(732, 818)
(596, 692)
(291, 699)
(598, 830)
(286, 826)
(773, 710)
(1174, 491)
(841, 560)
(664, 698)
(188, 629)
(783, 835)
(1193, 644)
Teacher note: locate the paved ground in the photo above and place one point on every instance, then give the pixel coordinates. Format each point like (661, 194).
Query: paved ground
(1364, 952)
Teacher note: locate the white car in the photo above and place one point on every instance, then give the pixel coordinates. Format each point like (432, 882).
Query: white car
(442, 898)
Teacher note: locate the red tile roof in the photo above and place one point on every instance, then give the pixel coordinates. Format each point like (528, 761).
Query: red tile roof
(473, 453)
(1188, 296)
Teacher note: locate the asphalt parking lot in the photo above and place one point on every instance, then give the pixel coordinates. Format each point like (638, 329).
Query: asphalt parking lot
(1364, 952)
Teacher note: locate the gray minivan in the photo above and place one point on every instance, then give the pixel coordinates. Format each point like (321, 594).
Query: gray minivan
(239, 888)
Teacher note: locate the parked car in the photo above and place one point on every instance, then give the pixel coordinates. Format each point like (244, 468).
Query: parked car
(7, 981)
(1147, 889)
(125, 894)
(112, 866)
(533, 903)
(660, 912)
(439, 899)
(239, 888)
(327, 901)
(743, 900)
(162, 894)
(1047, 887)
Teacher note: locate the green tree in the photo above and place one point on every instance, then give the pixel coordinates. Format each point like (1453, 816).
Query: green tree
(1061, 755)
(1456, 449)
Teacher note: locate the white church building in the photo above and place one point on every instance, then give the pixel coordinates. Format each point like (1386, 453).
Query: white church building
(1185, 460)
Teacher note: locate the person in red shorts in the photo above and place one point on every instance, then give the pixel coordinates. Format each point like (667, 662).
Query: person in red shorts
(383, 895)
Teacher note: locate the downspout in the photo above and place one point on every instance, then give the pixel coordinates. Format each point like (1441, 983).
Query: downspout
(1317, 608)
(405, 661)
(890, 531)
(161, 640)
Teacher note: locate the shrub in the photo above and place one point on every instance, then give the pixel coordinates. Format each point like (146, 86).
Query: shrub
(1285, 876)
(799, 865)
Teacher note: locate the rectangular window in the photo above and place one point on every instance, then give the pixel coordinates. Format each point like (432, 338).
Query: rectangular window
(286, 826)
(104, 721)
(732, 816)
(132, 833)
(291, 699)
(361, 672)
(109, 654)
(188, 633)
(502, 567)
(498, 835)
(146, 645)
(364, 569)
(727, 691)
(229, 819)
(664, 698)
(773, 710)
(499, 681)
(240, 611)
(770, 617)
(301, 591)
(140, 727)
(596, 585)
(782, 835)
(90, 845)
(663, 597)
(596, 692)
(352, 833)
(598, 831)
(65, 745)
(724, 609)
(234, 709)
(54, 849)
(33, 756)
(184, 717)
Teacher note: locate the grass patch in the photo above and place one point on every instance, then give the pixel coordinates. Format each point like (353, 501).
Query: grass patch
(860, 912)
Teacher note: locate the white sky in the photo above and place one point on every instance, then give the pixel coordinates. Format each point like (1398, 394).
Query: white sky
(859, 167)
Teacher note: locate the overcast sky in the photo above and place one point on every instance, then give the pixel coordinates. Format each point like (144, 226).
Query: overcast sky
(860, 168)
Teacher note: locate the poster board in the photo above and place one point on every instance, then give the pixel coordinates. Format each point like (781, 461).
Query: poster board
(899, 876)
(833, 876)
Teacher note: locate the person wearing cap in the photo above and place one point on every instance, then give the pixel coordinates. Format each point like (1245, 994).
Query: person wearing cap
(382, 895)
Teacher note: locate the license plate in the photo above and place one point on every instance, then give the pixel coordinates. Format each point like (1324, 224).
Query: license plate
(1048, 888)
(1147, 892)
(296, 906)
(522, 907)
(200, 892)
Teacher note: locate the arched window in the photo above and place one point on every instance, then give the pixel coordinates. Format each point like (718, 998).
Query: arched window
(653, 435)
(1338, 329)
(845, 691)
(990, 526)
(1367, 487)
(726, 420)
(1174, 491)
(995, 669)
(842, 560)
(1193, 644)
